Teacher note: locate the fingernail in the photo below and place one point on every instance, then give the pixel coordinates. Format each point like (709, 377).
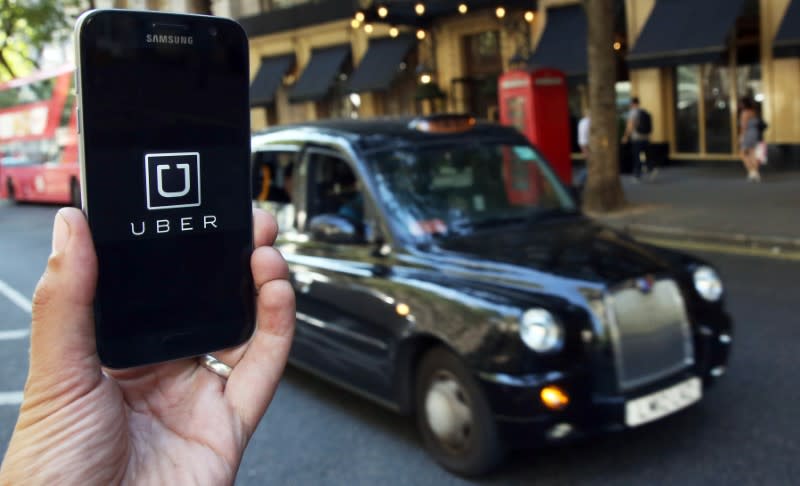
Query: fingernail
(60, 233)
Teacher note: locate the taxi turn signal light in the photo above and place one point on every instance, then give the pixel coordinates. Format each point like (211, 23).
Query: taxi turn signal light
(554, 397)
(446, 123)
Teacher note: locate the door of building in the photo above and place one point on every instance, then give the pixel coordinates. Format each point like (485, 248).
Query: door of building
(483, 64)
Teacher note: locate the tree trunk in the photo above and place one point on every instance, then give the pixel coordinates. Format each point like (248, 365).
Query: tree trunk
(203, 7)
(603, 191)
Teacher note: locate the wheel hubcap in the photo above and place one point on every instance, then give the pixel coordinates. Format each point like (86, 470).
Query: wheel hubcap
(447, 410)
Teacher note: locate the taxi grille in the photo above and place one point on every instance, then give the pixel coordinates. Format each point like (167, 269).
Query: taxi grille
(649, 332)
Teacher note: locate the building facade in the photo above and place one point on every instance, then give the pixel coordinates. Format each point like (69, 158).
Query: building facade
(693, 83)
(398, 63)
(185, 6)
(689, 61)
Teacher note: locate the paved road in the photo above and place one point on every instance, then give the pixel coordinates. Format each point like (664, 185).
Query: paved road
(746, 431)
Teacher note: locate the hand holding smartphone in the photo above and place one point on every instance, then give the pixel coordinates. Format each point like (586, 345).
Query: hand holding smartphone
(165, 150)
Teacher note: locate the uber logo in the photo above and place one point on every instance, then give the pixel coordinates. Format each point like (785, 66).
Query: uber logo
(172, 180)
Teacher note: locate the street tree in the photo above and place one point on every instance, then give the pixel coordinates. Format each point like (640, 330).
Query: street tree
(203, 7)
(603, 190)
(26, 26)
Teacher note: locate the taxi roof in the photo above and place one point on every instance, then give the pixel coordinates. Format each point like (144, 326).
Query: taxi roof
(378, 133)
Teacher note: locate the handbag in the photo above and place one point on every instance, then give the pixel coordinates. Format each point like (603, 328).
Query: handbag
(761, 153)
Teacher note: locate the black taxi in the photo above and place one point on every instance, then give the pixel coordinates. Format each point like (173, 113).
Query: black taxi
(442, 270)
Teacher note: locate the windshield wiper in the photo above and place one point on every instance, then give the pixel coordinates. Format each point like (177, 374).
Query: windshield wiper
(534, 216)
(548, 213)
(464, 226)
(488, 222)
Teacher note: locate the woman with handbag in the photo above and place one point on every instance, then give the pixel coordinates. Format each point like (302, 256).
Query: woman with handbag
(749, 135)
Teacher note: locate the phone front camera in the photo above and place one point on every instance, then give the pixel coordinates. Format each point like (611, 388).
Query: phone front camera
(212, 31)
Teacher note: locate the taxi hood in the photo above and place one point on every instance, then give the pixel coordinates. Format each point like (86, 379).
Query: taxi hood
(572, 247)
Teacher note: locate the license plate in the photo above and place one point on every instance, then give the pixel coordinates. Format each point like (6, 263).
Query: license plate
(662, 403)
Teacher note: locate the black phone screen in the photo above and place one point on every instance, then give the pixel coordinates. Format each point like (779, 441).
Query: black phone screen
(166, 171)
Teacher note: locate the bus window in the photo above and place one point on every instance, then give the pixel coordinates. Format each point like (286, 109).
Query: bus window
(38, 126)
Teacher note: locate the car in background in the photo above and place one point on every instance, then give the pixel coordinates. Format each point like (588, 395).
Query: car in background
(442, 270)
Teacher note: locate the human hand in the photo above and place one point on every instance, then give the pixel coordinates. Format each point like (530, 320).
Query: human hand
(170, 423)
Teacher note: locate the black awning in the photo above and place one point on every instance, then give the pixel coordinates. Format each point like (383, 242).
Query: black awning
(787, 40)
(268, 78)
(380, 64)
(563, 42)
(279, 18)
(320, 73)
(684, 32)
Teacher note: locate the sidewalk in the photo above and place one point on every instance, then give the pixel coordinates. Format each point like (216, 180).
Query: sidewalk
(715, 204)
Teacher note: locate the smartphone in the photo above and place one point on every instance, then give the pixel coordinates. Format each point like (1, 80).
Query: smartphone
(164, 127)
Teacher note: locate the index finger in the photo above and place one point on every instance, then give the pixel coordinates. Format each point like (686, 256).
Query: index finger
(265, 228)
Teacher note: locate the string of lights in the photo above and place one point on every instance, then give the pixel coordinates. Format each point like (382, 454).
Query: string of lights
(419, 16)
(383, 11)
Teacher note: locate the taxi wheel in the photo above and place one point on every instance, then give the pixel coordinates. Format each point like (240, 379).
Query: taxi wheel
(453, 416)
(10, 194)
(75, 193)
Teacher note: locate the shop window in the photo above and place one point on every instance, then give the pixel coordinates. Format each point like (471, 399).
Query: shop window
(710, 127)
(622, 90)
(483, 65)
(717, 103)
(339, 104)
(483, 52)
(400, 99)
(687, 84)
(748, 83)
(706, 96)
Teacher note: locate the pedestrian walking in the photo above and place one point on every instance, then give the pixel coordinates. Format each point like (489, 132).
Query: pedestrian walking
(637, 131)
(584, 126)
(750, 133)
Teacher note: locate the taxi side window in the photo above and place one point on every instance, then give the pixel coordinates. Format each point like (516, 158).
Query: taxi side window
(334, 189)
(273, 184)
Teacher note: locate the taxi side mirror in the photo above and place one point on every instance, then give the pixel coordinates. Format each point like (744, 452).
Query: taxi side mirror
(331, 228)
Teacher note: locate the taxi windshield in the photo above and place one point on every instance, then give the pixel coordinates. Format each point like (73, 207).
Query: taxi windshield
(441, 191)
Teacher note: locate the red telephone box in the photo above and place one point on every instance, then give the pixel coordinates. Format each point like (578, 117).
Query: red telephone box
(535, 102)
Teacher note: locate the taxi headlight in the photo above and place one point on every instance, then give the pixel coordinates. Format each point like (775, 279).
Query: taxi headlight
(540, 331)
(707, 283)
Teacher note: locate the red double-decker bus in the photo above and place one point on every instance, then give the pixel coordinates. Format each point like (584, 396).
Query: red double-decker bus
(39, 138)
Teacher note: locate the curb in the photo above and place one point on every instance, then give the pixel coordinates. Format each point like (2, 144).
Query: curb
(771, 244)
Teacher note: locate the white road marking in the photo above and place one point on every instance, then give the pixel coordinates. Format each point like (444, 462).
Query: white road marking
(10, 398)
(14, 296)
(10, 334)
(14, 397)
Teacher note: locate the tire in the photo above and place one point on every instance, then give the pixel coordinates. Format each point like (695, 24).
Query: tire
(10, 194)
(453, 416)
(75, 193)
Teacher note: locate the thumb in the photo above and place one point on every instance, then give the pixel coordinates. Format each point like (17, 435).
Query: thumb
(63, 352)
